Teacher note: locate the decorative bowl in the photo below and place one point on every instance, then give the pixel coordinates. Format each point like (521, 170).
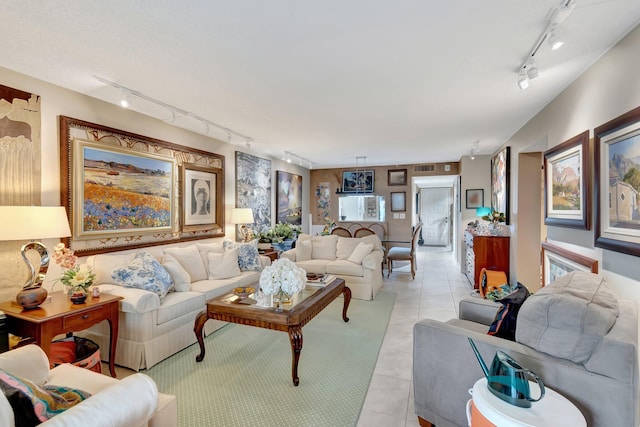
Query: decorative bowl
(243, 292)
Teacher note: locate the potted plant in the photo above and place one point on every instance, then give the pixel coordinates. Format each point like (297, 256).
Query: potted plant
(280, 236)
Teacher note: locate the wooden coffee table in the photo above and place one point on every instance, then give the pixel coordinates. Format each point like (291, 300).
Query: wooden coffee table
(306, 305)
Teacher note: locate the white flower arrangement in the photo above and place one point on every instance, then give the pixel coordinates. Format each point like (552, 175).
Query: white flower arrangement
(282, 276)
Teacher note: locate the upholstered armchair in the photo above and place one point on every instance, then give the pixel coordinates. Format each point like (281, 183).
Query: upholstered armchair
(581, 344)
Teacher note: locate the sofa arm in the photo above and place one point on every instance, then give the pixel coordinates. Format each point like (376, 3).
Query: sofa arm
(265, 261)
(478, 310)
(28, 362)
(129, 402)
(135, 300)
(373, 260)
(289, 254)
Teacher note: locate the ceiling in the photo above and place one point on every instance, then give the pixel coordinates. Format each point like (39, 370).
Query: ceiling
(398, 82)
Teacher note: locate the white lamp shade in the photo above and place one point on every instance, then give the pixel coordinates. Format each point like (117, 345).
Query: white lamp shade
(242, 216)
(33, 222)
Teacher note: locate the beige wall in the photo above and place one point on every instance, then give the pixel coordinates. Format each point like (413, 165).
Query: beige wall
(58, 101)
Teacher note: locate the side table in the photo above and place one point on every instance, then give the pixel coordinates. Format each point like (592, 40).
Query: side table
(553, 409)
(271, 253)
(61, 316)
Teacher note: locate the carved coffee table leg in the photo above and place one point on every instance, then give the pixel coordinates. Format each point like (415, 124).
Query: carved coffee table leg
(347, 299)
(295, 337)
(198, 327)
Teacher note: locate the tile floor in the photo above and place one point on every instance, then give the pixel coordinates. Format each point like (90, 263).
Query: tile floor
(438, 287)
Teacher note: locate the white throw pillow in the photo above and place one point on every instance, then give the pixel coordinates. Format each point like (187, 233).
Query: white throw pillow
(205, 248)
(303, 250)
(225, 265)
(360, 252)
(189, 258)
(346, 246)
(324, 247)
(181, 279)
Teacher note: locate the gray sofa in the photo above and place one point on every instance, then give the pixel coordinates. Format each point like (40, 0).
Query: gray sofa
(598, 374)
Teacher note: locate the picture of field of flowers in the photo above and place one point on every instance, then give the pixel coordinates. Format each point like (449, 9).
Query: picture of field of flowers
(125, 191)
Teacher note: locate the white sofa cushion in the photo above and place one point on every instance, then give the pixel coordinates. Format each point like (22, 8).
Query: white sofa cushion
(362, 250)
(374, 240)
(344, 267)
(179, 303)
(224, 265)
(205, 248)
(214, 288)
(104, 264)
(144, 272)
(303, 249)
(324, 247)
(181, 279)
(314, 265)
(345, 246)
(190, 259)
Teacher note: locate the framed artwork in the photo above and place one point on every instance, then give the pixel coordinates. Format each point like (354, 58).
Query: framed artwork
(475, 198)
(398, 201)
(617, 184)
(123, 190)
(358, 181)
(117, 191)
(557, 261)
(289, 198)
(567, 174)
(201, 205)
(323, 203)
(253, 188)
(397, 177)
(500, 169)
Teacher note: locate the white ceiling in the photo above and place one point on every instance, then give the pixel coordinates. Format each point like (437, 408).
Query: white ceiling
(400, 82)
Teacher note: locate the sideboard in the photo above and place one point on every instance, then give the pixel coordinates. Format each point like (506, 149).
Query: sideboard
(484, 251)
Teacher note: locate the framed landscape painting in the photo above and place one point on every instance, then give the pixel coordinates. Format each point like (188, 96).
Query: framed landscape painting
(289, 198)
(566, 183)
(557, 261)
(118, 191)
(617, 181)
(500, 170)
(200, 202)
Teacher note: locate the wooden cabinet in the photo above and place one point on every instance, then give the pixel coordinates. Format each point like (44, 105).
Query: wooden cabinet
(490, 252)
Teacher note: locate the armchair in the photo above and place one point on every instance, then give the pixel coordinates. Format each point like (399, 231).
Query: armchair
(132, 401)
(604, 387)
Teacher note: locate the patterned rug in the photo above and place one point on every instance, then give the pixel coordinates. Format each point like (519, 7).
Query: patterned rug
(245, 378)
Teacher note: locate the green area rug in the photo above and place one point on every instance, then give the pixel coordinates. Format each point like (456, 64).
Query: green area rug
(245, 377)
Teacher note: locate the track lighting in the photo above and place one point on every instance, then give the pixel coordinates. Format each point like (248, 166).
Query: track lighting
(531, 68)
(523, 80)
(555, 37)
(125, 101)
(472, 154)
(290, 157)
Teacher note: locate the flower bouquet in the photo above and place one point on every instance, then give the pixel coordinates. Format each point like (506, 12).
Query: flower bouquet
(282, 279)
(77, 279)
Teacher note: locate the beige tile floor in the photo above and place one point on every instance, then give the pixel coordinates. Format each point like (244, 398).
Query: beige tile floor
(438, 287)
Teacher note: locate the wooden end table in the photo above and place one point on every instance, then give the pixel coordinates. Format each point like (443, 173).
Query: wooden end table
(306, 305)
(61, 316)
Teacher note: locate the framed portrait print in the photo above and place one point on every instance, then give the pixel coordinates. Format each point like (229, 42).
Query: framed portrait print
(397, 177)
(475, 198)
(201, 203)
(500, 170)
(118, 191)
(567, 174)
(358, 181)
(617, 184)
(557, 261)
(398, 201)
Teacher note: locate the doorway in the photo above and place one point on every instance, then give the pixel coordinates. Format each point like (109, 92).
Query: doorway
(435, 213)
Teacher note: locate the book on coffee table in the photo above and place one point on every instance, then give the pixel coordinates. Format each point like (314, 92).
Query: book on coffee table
(319, 279)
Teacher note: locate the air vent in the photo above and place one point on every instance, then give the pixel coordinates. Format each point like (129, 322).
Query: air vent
(424, 168)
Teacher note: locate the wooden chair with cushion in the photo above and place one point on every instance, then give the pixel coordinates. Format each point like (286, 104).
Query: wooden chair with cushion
(404, 254)
(363, 231)
(341, 231)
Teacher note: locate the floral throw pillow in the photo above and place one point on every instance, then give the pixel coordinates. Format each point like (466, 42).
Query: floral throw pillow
(248, 256)
(144, 272)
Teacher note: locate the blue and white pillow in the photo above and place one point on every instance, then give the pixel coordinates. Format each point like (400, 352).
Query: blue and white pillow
(248, 256)
(144, 272)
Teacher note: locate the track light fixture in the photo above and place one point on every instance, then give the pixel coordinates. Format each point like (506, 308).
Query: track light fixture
(290, 157)
(552, 34)
(125, 101)
(472, 154)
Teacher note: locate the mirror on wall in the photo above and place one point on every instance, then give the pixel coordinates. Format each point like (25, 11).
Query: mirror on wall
(361, 208)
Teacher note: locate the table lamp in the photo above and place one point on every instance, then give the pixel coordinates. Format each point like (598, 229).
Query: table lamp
(242, 217)
(30, 223)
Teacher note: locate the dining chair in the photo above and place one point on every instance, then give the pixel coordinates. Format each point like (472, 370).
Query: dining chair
(341, 231)
(363, 231)
(354, 226)
(404, 254)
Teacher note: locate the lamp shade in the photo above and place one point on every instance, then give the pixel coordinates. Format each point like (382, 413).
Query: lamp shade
(33, 222)
(242, 216)
(482, 211)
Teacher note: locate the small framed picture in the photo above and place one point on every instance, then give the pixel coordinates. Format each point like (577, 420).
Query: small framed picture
(398, 201)
(475, 198)
(397, 177)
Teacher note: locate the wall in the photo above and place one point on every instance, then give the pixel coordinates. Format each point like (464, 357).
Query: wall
(606, 90)
(59, 101)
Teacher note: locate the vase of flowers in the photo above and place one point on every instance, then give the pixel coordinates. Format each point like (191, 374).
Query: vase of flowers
(283, 279)
(77, 279)
(495, 219)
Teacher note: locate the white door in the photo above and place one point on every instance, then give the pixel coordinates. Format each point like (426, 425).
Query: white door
(435, 204)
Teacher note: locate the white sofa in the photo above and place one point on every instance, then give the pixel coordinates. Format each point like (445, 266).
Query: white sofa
(133, 401)
(342, 257)
(150, 330)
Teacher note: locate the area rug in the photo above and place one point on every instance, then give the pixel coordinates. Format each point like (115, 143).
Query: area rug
(245, 377)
